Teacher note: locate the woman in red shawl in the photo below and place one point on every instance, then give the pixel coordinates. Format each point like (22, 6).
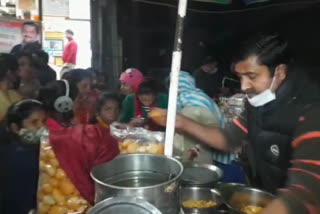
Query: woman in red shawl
(77, 148)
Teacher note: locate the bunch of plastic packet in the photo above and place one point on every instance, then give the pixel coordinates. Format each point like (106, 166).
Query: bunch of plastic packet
(56, 193)
(137, 140)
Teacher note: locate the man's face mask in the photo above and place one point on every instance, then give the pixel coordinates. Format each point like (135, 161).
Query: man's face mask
(264, 97)
(32, 136)
(213, 71)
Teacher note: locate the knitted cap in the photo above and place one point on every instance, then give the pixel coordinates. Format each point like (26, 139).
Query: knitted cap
(131, 76)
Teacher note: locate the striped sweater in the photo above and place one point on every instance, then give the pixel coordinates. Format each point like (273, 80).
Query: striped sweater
(190, 96)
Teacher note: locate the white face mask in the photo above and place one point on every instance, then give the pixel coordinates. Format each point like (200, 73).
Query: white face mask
(32, 136)
(264, 97)
(215, 70)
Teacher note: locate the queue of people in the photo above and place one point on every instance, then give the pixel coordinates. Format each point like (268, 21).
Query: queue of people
(77, 118)
(278, 129)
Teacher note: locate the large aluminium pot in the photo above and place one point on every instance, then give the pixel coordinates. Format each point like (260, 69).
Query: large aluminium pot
(154, 178)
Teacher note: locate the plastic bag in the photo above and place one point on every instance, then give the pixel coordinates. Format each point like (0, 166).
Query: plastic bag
(137, 140)
(232, 107)
(56, 193)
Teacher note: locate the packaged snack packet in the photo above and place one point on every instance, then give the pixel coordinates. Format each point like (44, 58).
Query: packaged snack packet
(137, 140)
(56, 193)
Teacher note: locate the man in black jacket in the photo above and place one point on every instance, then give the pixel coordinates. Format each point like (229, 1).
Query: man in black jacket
(281, 125)
(30, 39)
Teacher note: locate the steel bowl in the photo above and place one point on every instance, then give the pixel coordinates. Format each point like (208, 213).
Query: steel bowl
(237, 197)
(200, 175)
(223, 188)
(200, 193)
(121, 205)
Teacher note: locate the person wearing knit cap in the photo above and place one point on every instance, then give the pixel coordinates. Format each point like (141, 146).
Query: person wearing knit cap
(129, 80)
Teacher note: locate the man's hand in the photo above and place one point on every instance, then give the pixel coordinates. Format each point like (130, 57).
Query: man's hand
(158, 115)
(212, 136)
(276, 207)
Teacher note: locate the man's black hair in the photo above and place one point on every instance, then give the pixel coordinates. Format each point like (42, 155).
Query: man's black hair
(209, 60)
(70, 32)
(271, 50)
(31, 23)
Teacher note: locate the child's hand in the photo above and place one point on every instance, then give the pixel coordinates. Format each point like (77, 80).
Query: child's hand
(137, 121)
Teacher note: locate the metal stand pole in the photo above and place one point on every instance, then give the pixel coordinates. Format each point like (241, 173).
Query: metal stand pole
(174, 78)
(40, 10)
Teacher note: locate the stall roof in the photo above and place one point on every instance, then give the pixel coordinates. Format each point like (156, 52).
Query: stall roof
(147, 28)
(203, 6)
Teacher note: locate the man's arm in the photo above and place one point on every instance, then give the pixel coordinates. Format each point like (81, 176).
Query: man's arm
(302, 192)
(227, 139)
(65, 53)
(276, 207)
(213, 136)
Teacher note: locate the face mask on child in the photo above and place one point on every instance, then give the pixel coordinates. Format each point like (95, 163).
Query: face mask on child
(32, 136)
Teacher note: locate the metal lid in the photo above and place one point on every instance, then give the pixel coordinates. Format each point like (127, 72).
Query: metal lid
(124, 205)
(200, 174)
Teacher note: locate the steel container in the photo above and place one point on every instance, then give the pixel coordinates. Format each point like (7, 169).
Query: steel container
(154, 178)
(123, 205)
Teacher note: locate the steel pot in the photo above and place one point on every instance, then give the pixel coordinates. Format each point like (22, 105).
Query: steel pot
(124, 205)
(154, 178)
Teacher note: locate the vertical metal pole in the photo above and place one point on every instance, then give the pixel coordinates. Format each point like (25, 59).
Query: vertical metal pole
(40, 9)
(174, 78)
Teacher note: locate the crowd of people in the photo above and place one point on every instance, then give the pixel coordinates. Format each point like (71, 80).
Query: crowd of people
(77, 115)
(277, 128)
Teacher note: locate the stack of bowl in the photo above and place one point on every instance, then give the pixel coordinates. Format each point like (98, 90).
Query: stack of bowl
(196, 193)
